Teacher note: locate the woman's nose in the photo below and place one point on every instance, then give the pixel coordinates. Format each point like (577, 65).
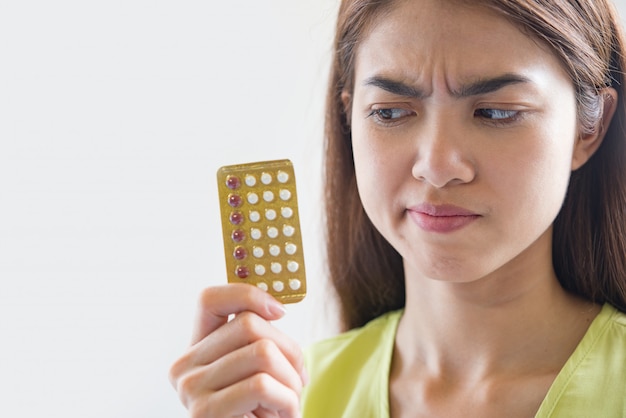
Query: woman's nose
(443, 156)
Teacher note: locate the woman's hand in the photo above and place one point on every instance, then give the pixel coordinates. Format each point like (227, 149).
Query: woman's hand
(239, 368)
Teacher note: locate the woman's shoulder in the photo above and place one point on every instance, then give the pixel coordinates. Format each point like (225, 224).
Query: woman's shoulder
(349, 372)
(594, 378)
(364, 340)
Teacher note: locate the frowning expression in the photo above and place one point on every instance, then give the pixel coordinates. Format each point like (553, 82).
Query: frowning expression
(464, 136)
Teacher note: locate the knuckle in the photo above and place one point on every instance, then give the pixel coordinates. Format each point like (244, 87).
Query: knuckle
(188, 384)
(249, 324)
(178, 368)
(265, 351)
(207, 296)
(261, 384)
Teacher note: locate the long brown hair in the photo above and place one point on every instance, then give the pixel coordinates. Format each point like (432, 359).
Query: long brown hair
(589, 243)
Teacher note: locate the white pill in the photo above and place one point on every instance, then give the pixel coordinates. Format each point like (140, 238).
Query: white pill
(255, 216)
(253, 198)
(274, 250)
(292, 266)
(270, 214)
(255, 233)
(259, 269)
(284, 194)
(266, 178)
(262, 286)
(268, 196)
(250, 180)
(258, 252)
(278, 286)
(272, 232)
(282, 177)
(288, 230)
(290, 248)
(295, 284)
(276, 268)
(286, 212)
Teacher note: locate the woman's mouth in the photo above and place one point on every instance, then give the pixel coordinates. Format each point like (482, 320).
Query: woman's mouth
(441, 218)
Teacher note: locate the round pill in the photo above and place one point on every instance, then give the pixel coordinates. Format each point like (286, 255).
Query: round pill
(268, 196)
(288, 230)
(292, 266)
(258, 252)
(262, 286)
(236, 218)
(242, 272)
(250, 180)
(253, 198)
(266, 178)
(238, 235)
(233, 182)
(286, 212)
(295, 284)
(255, 216)
(255, 233)
(259, 269)
(234, 200)
(270, 214)
(240, 253)
(290, 248)
(284, 194)
(282, 177)
(278, 286)
(276, 268)
(274, 250)
(272, 232)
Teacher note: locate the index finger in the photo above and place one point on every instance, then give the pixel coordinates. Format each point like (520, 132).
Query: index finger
(219, 302)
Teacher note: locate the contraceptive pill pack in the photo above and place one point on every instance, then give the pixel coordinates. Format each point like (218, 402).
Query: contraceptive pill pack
(261, 228)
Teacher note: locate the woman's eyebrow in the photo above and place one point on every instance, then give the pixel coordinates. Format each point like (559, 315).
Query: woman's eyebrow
(489, 85)
(395, 87)
(474, 88)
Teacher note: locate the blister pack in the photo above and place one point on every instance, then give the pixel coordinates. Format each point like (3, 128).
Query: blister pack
(261, 228)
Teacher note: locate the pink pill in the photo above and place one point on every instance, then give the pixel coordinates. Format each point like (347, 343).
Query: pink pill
(236, 218)
(242, 272)
(233, 182)
(234, 200)
(238, 235)
(240, 253)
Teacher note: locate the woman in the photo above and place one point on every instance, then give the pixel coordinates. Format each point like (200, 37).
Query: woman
(476, 226)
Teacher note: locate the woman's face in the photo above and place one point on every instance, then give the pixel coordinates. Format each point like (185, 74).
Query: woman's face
(464, 133)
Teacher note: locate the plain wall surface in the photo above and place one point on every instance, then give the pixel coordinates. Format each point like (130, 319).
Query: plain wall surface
(114, 117)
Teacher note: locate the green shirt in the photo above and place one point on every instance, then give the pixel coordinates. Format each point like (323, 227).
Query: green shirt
(349, 374)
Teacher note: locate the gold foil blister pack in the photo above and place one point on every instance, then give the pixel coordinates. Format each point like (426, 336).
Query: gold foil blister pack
(261, 228)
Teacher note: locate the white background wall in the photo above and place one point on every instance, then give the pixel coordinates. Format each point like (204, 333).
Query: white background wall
(114, 116)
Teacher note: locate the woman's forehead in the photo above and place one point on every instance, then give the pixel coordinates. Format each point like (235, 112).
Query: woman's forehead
(424, 38)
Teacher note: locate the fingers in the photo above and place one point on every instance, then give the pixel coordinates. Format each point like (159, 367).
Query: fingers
(245, 329)
(260, 393)
(217, 303)
(242, 367)
(263, 356)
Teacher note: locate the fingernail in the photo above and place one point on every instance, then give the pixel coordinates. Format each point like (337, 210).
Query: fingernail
(276, 308)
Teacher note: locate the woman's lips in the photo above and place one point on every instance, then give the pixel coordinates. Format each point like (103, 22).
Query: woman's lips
(441, 218)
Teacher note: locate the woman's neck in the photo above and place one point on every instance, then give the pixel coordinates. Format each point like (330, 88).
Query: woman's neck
(515, 319)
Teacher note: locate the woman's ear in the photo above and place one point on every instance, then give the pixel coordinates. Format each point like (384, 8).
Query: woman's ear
(588, 143)
(346, 99)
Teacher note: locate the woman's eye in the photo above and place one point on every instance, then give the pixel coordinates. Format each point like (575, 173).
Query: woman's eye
(496, 114)
(390, 114)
